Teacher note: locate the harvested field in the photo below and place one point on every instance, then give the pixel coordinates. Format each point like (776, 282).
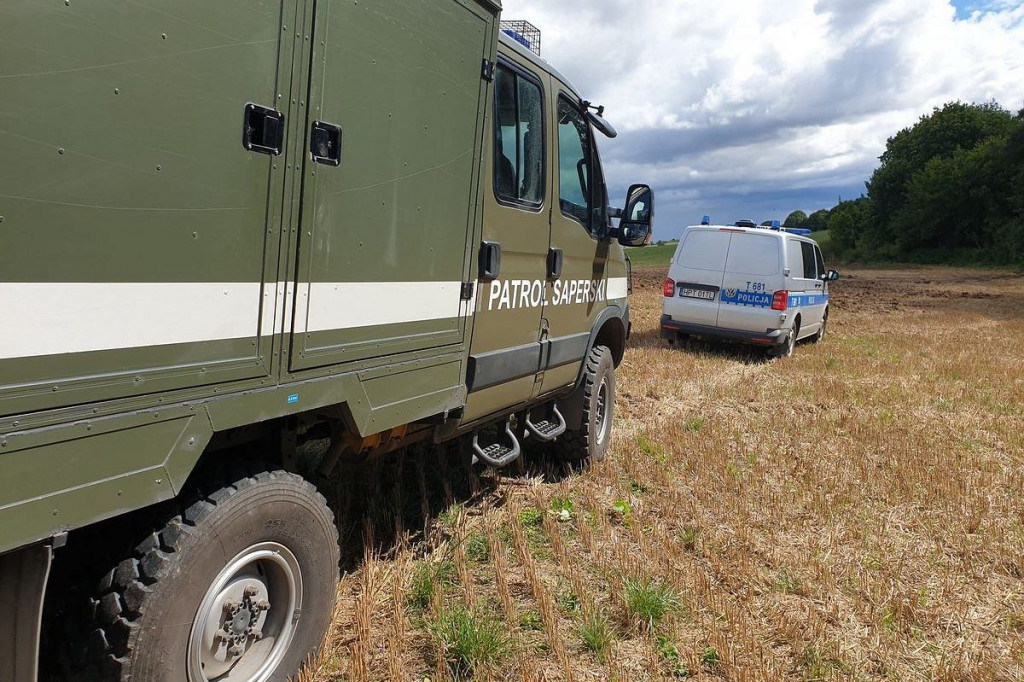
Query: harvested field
(854, 512)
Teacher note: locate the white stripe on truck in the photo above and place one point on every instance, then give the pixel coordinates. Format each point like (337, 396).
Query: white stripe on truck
(55, 318)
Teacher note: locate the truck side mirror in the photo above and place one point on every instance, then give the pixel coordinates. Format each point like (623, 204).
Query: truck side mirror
(832, 276)
(637, 223)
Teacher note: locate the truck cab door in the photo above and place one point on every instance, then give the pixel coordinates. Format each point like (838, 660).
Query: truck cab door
(505, 354)
(583, 288)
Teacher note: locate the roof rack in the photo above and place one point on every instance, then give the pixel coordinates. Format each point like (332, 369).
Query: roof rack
(524, 33)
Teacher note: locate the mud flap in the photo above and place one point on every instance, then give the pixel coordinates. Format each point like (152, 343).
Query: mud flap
(23, 576)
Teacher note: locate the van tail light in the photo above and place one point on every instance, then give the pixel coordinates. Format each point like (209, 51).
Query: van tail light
(780, 301)
(670, 288)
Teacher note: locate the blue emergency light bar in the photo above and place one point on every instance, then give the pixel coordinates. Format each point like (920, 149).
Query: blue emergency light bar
(518, 37)
(706, 220)
(803, 232)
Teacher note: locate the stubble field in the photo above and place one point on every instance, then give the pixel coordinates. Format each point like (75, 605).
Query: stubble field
(853, 512)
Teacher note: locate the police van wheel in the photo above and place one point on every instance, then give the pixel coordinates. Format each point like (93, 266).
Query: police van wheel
(590, 441)
(239, 586)
(786, 349)
(821, 330)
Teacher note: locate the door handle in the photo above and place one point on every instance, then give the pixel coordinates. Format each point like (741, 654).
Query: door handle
(325, 143)
(490, 260)
(555, 261)
(263, 129)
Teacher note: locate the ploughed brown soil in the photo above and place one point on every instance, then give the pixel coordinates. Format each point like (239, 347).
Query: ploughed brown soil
(853, 512)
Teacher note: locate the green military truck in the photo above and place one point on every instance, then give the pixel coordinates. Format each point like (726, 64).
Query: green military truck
(228, 226)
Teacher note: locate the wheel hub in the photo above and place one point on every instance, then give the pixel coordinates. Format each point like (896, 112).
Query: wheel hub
(237, 634)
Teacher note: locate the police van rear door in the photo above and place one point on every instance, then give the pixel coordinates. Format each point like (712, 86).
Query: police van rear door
(753, 272)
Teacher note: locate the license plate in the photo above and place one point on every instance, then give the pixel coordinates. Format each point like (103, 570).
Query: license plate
(702, 294)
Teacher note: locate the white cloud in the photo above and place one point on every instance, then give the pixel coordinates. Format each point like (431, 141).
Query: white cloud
(743, 107)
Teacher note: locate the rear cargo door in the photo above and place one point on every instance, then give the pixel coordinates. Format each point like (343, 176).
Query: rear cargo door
(753, 272)
(698, 272)
(139, 244)
(389, 191)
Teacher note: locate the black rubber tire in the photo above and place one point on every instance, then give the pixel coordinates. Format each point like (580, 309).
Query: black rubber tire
(591, 440)
(145, 605)
(786, 349)
(820, 335)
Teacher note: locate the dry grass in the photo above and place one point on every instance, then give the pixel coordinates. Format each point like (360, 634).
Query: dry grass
(854, 512)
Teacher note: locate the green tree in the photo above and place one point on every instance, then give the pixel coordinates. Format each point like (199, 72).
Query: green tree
(795, 219)
(817, 220)
(945, 133)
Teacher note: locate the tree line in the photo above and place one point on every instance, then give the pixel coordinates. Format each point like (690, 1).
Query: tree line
(949, 189)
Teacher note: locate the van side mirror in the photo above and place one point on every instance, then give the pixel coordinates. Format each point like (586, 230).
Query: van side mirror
(832, 276)
(636, 226)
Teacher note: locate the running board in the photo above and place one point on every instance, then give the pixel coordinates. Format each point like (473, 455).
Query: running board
(547, 430)
(498, 455)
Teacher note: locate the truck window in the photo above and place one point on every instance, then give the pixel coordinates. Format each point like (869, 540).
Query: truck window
(809, 265)
(574, 159)
(753, 254)
(704, 250)
(518, 139)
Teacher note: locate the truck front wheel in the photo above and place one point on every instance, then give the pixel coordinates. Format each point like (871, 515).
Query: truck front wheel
(238, 587)
(591, 439)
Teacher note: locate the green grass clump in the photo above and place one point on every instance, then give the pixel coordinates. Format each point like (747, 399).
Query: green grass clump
(597, 634)
(426, 579)
(477, 548)
(649, 600)
(531, 517)
(469, 641)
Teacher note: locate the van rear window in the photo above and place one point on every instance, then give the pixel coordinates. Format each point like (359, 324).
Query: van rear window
(753, 254)
(704, 250)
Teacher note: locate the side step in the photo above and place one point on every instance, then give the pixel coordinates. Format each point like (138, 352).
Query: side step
(548, 429)
(498, 455)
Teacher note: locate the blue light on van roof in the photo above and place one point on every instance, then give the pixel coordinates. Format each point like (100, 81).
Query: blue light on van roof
(706, 220)
(776, 224)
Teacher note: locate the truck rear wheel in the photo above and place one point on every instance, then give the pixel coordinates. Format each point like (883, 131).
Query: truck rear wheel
(591, 439)
(238, 587)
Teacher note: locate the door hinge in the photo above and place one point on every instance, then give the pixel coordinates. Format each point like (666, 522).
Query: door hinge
(488, 71)
(467, 290)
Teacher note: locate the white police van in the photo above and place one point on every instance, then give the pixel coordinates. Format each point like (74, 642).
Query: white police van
(761, 286)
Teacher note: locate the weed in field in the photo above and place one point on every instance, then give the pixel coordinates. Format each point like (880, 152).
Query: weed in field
(622, 509)
(688, 536)
(637, 487)
(568, 602)
(709, 657)
(450, 516)
(670, 652)
(428, 577)
(597, 633)
(787, 582)
(477, 548)
(821, 666)
(531, 517)
(693, 424)
(468, 640)
(531, 620)
(651, 449)
(562, 508)
(649, 600)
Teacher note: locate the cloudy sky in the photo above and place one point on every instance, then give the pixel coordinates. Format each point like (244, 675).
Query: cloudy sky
(753, 108)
